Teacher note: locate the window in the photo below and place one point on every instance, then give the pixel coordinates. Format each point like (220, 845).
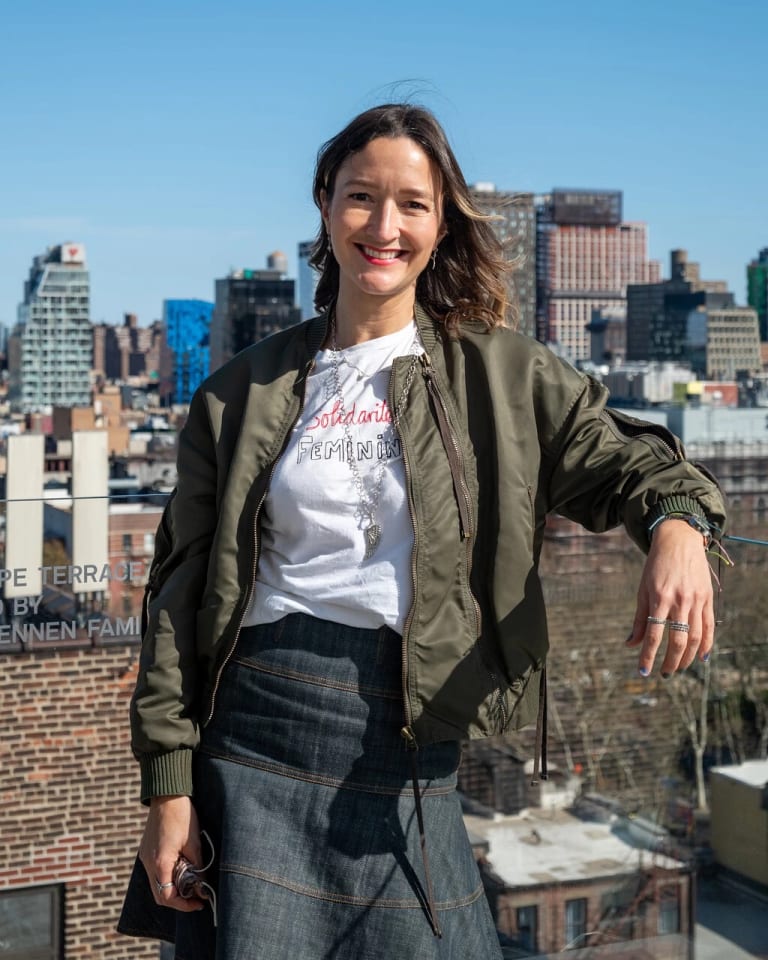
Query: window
(669, 910)
(528, 927)
(575, 922)
(31, 922)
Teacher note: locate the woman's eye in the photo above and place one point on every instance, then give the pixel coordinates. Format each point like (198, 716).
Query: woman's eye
(359, 196)
(416, 205)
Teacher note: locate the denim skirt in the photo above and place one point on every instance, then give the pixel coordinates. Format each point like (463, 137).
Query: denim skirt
(303, 783)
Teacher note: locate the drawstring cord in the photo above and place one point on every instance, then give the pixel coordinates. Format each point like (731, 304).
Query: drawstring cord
(540, 754)
(431, 908)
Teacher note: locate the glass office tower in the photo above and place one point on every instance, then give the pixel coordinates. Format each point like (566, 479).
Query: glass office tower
(187, 324)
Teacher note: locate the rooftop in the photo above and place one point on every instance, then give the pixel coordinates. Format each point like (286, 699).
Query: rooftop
(752, 772)
(541, 847)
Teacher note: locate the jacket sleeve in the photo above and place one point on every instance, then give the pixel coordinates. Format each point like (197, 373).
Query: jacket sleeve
(605, 468)
(164, 725)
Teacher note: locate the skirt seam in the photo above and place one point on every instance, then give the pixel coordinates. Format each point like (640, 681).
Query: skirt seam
(315, 894)
(318, 681)
(293, 774)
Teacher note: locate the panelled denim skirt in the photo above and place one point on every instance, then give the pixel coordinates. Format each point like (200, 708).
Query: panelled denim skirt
(303, 783)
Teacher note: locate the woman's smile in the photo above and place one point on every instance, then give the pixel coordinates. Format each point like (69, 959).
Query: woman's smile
(374, 255)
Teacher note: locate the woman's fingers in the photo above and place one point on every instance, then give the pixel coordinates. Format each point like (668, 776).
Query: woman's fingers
(674, 605)
(171, 831)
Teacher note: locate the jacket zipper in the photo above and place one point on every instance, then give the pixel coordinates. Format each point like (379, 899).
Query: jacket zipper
(464, 503)
(407, 731)
(255, 561)
(452, 449)
(456, 463)
(631, 427)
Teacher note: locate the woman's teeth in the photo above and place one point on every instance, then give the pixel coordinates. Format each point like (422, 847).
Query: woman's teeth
(381, 254)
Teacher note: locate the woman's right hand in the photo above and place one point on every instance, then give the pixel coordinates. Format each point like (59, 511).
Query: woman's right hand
(171, 831)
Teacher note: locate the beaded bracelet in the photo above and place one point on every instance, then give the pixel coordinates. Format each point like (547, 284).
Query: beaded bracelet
(698, 523)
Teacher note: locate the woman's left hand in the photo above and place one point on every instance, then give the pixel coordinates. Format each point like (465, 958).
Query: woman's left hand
(675, 592)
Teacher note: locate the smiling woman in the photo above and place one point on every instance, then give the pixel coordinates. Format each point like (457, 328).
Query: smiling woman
(384, 222)
(345, 583)
(404, 148)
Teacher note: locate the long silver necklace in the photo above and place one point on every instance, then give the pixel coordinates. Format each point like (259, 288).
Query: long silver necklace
(369, 501)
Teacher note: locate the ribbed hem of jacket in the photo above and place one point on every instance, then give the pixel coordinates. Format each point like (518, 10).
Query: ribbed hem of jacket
(166, 774)
(675, 504)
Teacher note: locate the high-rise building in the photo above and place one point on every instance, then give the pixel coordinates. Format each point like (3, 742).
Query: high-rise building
(586, 256)
(250, 304)
(123, 352)
(515, 225)
(308, 278)
(51, 346)
(186, 325)
(757, 290)
(690, 320)
(608, 335)
(723, 343)
(658, 313)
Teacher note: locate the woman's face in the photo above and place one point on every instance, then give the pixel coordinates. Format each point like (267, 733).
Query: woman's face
(384, 219)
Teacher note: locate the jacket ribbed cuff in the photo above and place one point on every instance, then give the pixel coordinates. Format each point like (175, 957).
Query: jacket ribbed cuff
(675, 504)
(166, 774)
(672, 505)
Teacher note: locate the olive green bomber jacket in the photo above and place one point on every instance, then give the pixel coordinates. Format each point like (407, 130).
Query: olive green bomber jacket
(496, 432)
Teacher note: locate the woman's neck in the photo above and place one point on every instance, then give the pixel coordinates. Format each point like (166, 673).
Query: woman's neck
(361, 322)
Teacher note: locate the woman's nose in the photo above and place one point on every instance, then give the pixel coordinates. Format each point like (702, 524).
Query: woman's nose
(384, 222)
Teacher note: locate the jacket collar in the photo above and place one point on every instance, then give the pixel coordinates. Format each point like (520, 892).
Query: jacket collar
(427, 328)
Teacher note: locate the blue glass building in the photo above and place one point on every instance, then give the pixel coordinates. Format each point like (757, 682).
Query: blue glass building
(187, 328)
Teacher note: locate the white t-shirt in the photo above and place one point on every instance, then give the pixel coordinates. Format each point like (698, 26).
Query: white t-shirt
(312, 542)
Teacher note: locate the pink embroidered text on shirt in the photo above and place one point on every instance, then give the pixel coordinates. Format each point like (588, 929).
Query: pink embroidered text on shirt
(334, 418)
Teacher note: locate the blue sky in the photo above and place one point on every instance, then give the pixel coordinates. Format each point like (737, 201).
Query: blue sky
(177, 140)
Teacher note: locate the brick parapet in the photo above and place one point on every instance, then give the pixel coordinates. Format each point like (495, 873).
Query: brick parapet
(69, 789)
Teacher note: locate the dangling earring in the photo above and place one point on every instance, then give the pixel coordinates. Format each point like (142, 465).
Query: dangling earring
(434, 257)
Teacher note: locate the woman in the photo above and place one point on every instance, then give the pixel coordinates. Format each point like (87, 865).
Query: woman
(346, 585)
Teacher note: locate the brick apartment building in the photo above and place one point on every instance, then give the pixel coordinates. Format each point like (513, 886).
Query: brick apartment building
(562, 885)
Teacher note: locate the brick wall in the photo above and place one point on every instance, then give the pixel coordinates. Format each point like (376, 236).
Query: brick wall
(68, 788)
(642, 913)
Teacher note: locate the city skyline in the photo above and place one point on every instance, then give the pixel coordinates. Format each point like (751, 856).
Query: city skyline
(190, 152)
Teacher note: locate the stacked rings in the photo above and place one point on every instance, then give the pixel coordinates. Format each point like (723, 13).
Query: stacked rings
(673, 624)
(164, 886)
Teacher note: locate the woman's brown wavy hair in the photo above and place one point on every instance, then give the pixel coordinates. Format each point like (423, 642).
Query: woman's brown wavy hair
(468, 280)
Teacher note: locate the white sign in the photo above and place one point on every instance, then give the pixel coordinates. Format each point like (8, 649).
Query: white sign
(73, 253)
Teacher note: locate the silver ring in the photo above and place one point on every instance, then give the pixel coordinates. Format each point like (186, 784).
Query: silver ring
(164, 886)
(659, 620)
(676, 625)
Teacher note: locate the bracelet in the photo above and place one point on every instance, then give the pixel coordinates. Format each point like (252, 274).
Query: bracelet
(698, 523)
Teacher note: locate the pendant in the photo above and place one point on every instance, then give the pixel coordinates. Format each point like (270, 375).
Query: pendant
(372, 538)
